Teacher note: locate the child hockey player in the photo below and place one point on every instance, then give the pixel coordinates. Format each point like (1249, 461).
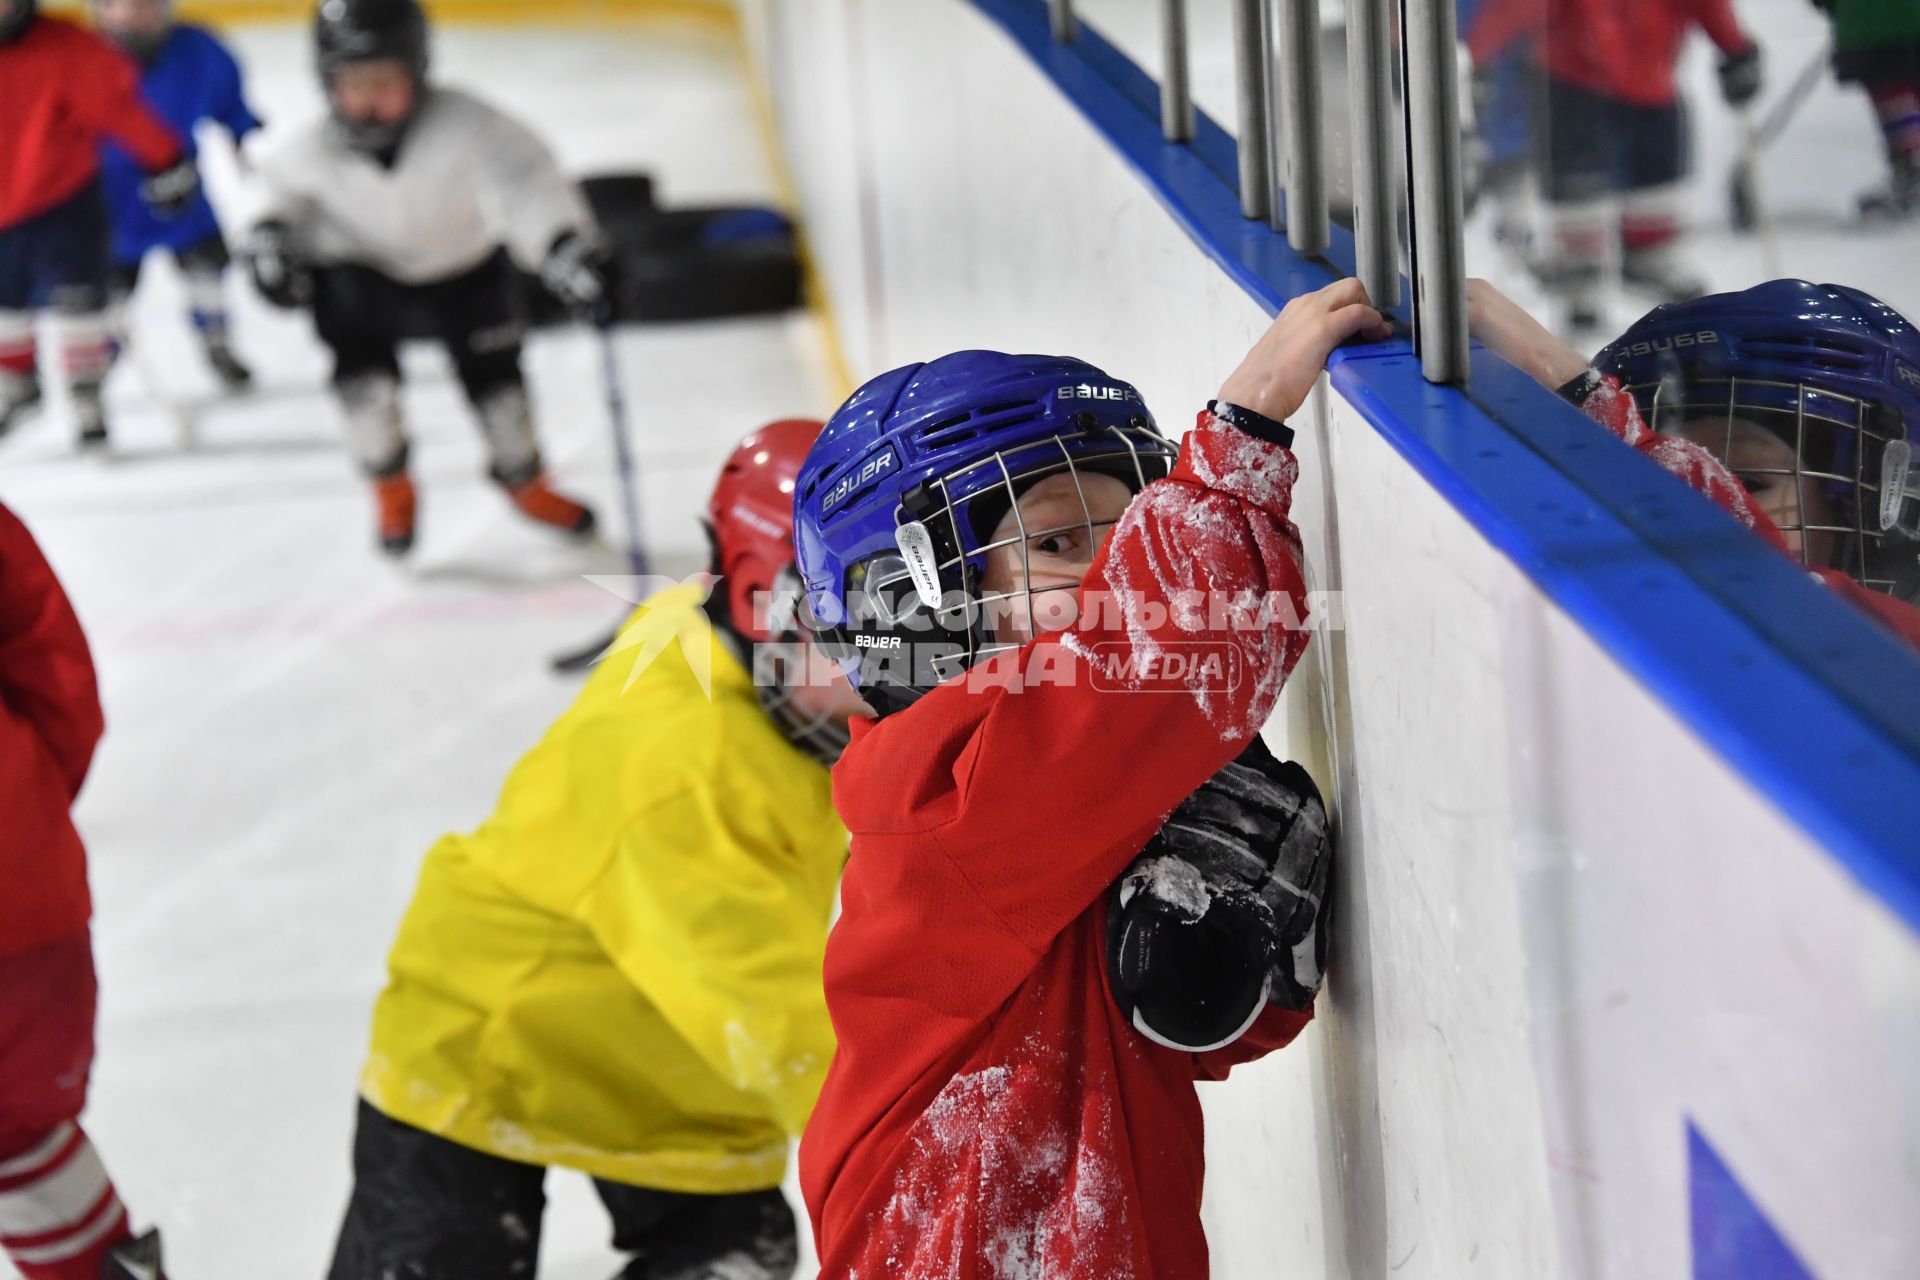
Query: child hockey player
(406, 201)
(1613, 145)
(1506, 92)
(188, 77)
(1799, 418)
(998, 1103)
(59, 1216)
(1877, 46)
(62, 92)
(619, 971)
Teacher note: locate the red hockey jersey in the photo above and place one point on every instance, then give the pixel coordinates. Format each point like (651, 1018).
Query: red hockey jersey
(49, 723)
(1615, 410)
(62, 91)
(1626, 49)
(989, 1111)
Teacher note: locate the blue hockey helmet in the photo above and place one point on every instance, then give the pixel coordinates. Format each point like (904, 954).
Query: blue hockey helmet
(1830, 376)
(896, 507)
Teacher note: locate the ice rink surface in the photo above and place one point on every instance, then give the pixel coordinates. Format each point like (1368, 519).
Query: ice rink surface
(292, 719)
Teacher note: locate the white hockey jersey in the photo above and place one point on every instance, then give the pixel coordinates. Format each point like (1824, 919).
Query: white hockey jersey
(468, 179)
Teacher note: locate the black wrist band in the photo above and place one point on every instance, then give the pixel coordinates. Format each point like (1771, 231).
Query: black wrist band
(1257, 425)
(1581, 389)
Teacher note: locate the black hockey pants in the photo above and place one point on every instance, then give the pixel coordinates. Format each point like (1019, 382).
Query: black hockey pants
(362, 315)
(424, 1208)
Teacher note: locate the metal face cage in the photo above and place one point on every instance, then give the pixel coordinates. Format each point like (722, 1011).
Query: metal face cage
(1839, 447)
(781, 666)
(960, 511)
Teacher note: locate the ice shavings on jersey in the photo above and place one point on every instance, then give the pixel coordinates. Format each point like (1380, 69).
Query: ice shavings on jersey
(1613, 408)
(1231, 540)
(1001, 1181)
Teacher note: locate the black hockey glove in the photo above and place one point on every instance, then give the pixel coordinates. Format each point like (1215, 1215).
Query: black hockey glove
(169, 192)
(579, 271)
(279, 272)
(1224, 910)
(1740, 76)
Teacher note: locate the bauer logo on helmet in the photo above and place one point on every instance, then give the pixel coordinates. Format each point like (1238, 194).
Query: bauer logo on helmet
(1087, 391)
(1699, 338)
(856, 479)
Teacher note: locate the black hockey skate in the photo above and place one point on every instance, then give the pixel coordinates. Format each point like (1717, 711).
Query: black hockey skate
(90, 417)
(233, 374)
(21, 399)
(1900, 200)
(137, 1259)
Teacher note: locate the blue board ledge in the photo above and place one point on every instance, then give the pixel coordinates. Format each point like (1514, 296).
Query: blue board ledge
(1812, 702)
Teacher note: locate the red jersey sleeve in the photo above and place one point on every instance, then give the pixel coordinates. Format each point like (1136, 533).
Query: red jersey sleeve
(1614, 409)
(1017, 793)
(1717, 19)
(46, 670)
(1499, 23)
(107, 96)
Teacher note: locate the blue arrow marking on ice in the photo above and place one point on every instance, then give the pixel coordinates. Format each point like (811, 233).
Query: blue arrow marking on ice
(1732, 1239)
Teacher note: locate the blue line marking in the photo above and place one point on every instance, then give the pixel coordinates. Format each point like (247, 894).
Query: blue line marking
(1725, 631)
(1732, 1237)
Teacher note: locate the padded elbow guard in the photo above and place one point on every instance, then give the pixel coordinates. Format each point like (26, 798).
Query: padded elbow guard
(1224, 910)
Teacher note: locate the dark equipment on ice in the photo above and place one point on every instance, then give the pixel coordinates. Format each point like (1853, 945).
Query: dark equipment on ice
(698, 263)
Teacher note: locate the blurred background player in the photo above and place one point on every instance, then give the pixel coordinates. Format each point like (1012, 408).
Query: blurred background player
(187, 77)
(411, 199)
(619, 971)
(64, 91)
(1612, 145)
(60, 1218)
(1799, 418)
(1877, 46)
(1506, 105)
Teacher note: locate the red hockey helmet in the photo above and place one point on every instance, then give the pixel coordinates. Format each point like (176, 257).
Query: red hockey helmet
(751, 518)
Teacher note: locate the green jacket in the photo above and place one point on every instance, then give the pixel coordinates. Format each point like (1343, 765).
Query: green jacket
(1873, 24)
(1876, 39)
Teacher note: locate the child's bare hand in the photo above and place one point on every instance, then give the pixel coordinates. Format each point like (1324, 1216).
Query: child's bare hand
(1281, 369)
(1508, 330)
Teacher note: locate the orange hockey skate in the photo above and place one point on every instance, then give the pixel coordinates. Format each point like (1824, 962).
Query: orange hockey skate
(538, 500)
(395, 496)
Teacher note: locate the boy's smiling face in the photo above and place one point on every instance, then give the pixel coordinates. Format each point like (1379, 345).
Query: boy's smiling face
(1042, 549)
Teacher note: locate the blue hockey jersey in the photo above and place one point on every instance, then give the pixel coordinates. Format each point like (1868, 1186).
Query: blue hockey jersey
(191, 79)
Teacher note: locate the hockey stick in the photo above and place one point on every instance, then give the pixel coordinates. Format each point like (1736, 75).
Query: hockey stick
(581, 659)
(1759, 212)
(1743, 185)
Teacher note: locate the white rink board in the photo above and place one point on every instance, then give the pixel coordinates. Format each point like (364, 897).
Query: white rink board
(1567, 927)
